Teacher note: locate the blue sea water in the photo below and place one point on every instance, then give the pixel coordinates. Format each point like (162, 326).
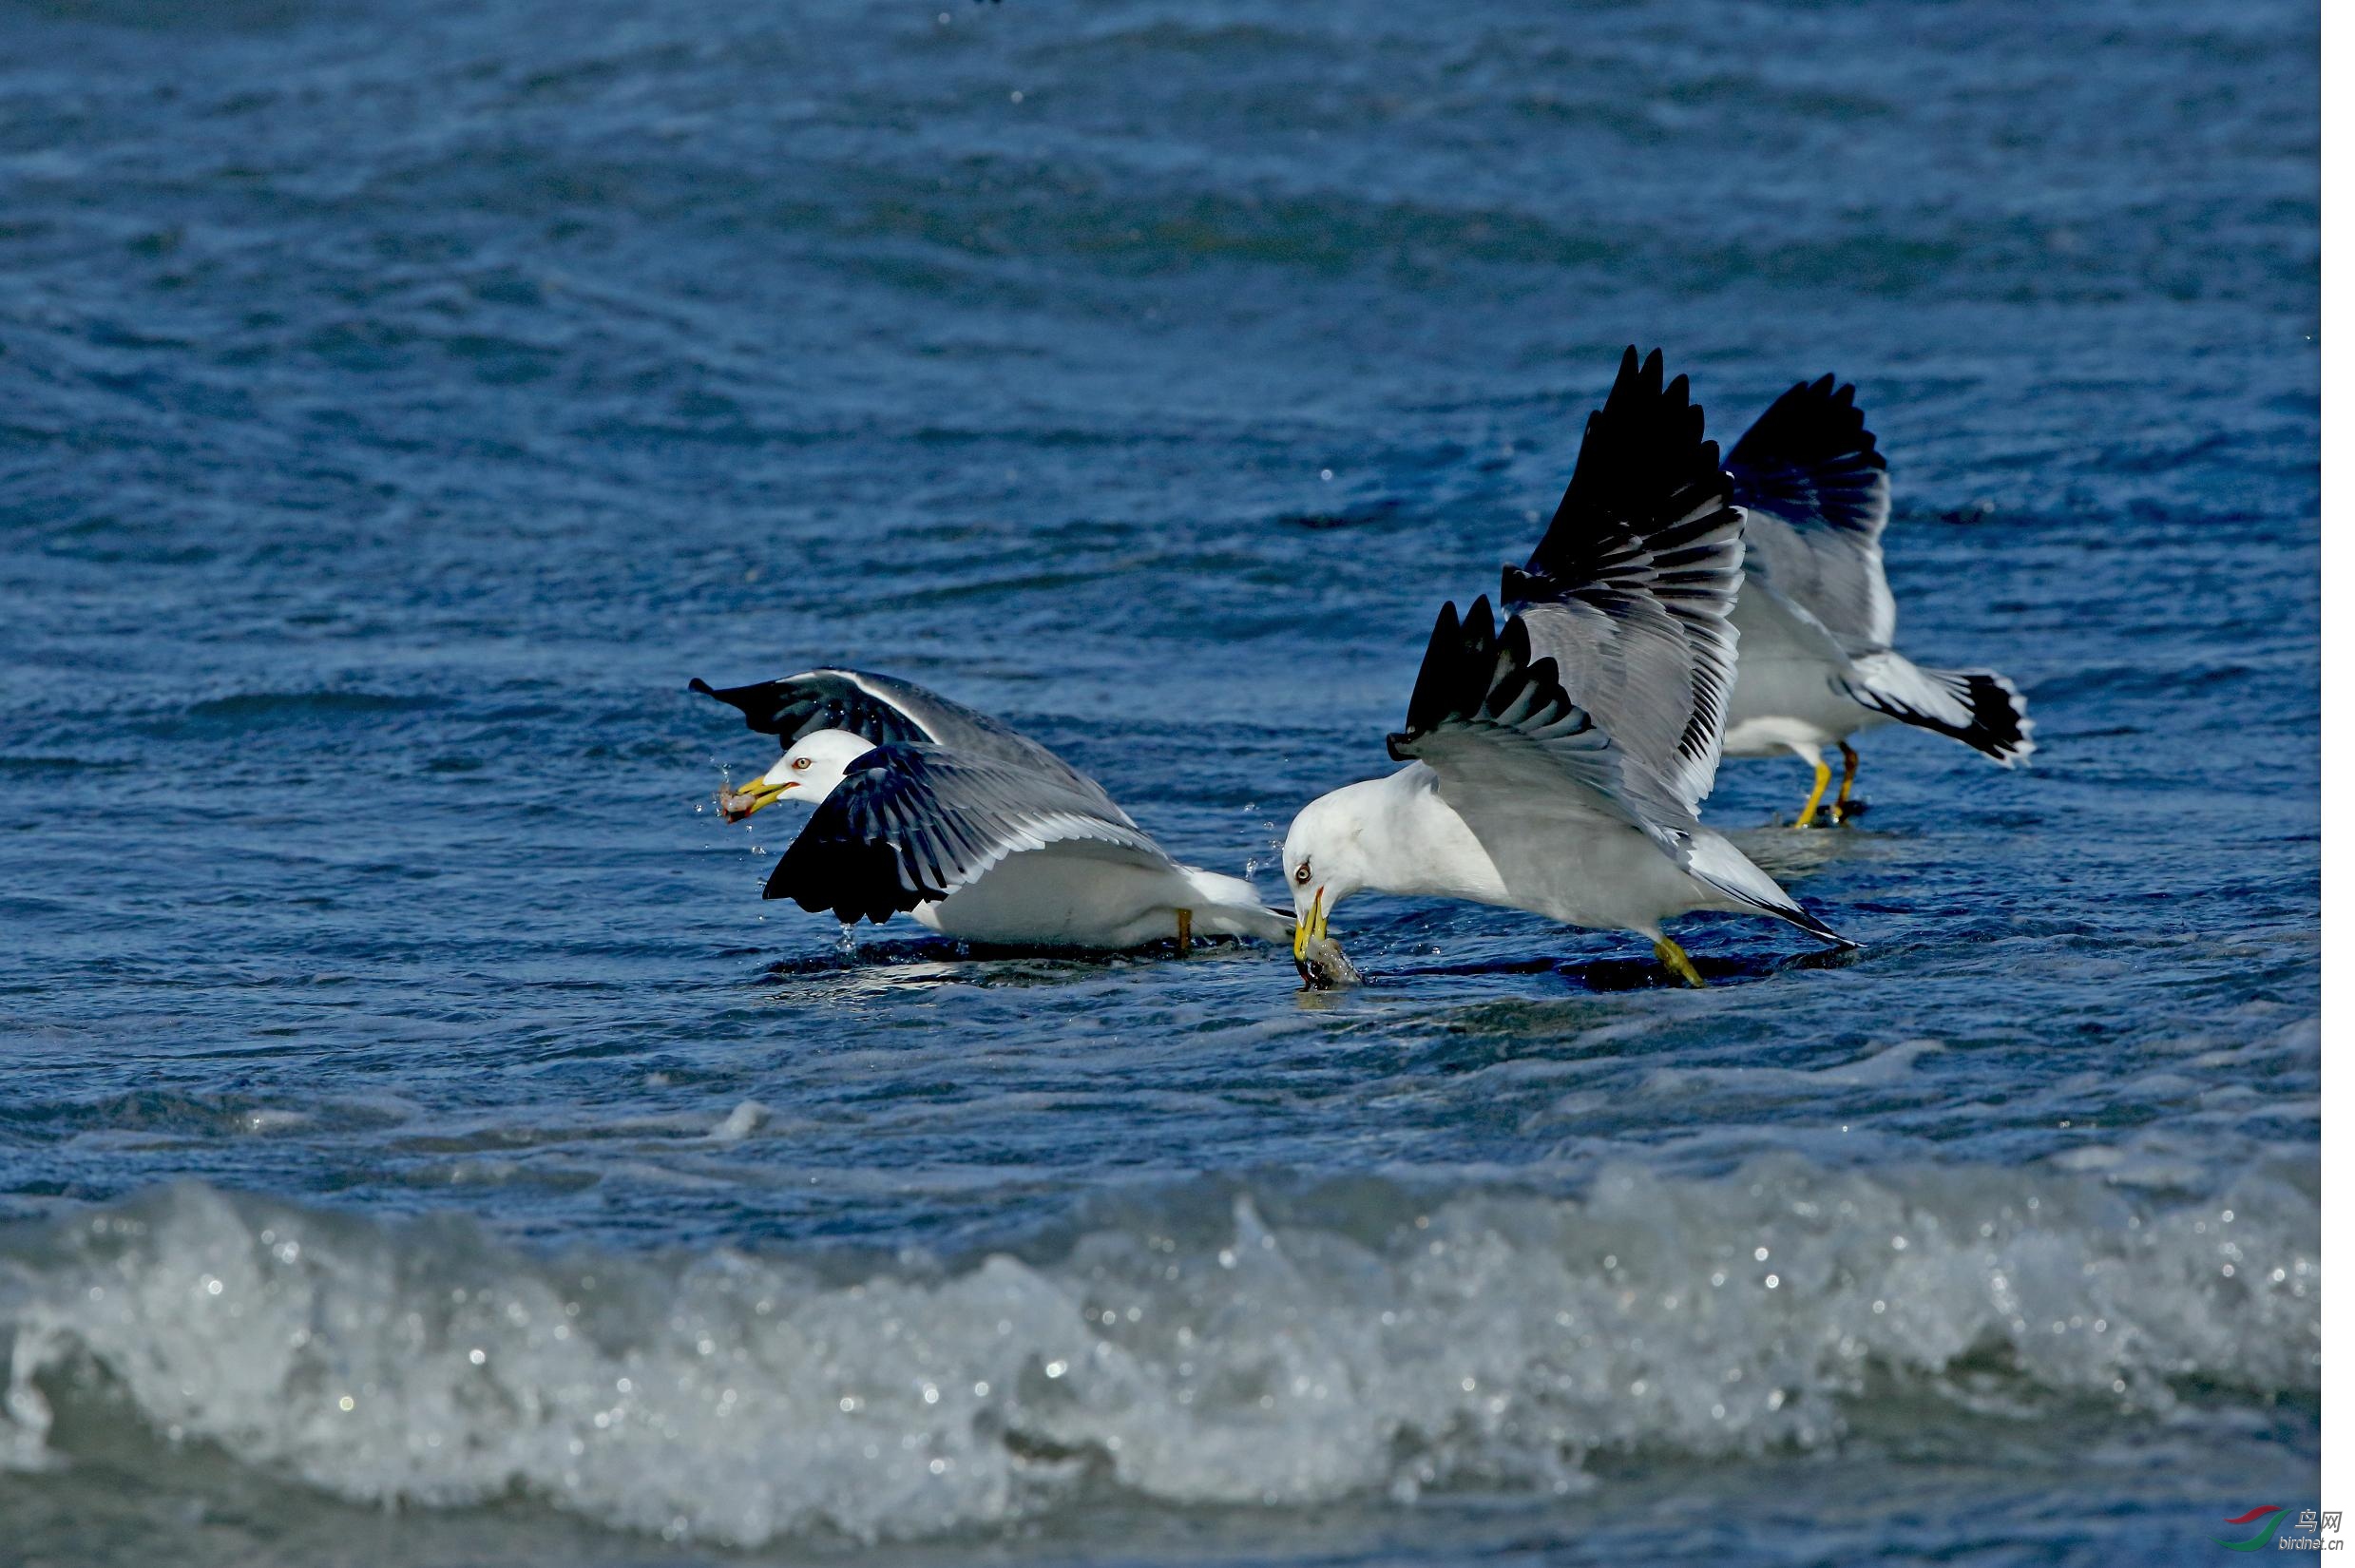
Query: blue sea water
(421, 1144)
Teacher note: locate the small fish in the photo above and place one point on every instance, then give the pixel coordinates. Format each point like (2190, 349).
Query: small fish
(1325, 967)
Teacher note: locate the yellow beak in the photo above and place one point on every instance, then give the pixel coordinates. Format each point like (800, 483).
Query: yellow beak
(744, 802)
(1310, 929)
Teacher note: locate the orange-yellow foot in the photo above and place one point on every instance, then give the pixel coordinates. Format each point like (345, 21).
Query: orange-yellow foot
(1679, 963)
(1815, 797)
(1841, 810)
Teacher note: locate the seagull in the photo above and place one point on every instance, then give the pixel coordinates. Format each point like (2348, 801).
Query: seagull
(1815, 614)
(1558, 750)
(926, 807)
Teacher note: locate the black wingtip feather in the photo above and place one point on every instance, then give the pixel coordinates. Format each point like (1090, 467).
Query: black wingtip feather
(1815, 423)
(1444, 659)
(1643, 461)
(821, 699)
(1808, 460)
(1797, 914)
(762, 703)
(745, 700)
(1475, 673)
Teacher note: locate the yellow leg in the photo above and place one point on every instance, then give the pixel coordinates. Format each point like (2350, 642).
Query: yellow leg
(1185, 929)
(1847, 781)
(1678, 964)
(1815, 797)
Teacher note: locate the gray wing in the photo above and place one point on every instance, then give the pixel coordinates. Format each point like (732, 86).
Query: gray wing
(1774, 627)
(1817, 491)
(912, 823)
(1629, 593)
(1492, 718)
(891, 711)
(1523, 764)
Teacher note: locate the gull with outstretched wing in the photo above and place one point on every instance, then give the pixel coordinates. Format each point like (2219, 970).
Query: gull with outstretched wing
(1817, 621)
(1558, 749)
(926, 807)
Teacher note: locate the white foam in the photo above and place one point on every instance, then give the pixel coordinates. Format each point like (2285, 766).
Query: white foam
(1209, 1358)
(741, 1123)
(1893, 1065)
(267, 1122)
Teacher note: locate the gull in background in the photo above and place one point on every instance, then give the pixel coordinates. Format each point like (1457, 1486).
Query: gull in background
(1557, 758)
(926, 807)
(1815, 615)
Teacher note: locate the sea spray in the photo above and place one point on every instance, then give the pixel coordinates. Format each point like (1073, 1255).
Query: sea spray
(1483, 1338)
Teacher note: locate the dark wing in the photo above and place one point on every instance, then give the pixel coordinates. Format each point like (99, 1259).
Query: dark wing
(1817, 491)
(877, 706)
(912, 823)
(889, 711)
(1628, 594)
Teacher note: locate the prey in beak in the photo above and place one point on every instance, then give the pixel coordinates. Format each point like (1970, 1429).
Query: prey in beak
(1325, 967)
(809, 771)
(735, 805)
(1322, 965)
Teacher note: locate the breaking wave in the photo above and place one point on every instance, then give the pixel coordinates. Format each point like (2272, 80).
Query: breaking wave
(1366, 1340)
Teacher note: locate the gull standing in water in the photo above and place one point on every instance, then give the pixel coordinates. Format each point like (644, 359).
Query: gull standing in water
(1556, 761)
(983, 833)
(1815, 613)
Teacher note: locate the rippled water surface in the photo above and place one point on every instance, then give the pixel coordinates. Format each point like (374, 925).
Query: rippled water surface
(423, 1145)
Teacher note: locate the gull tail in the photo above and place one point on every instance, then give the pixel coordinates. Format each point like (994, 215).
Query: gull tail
(1712, 858)
(1231, 907)
(1978, 707)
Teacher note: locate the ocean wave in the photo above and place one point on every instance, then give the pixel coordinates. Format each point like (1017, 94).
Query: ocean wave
(1220, 1344)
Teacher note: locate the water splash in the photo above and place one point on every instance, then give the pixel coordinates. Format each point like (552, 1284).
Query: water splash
(1205, 1354)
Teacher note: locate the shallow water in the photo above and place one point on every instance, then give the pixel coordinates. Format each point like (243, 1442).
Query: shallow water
(414, 1104)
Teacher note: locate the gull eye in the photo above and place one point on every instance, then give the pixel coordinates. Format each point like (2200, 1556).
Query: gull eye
(1301, 876)
(799, 763)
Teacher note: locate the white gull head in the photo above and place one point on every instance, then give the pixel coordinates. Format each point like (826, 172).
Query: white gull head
(1327, 857)
(808, 772)
(815, 763)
